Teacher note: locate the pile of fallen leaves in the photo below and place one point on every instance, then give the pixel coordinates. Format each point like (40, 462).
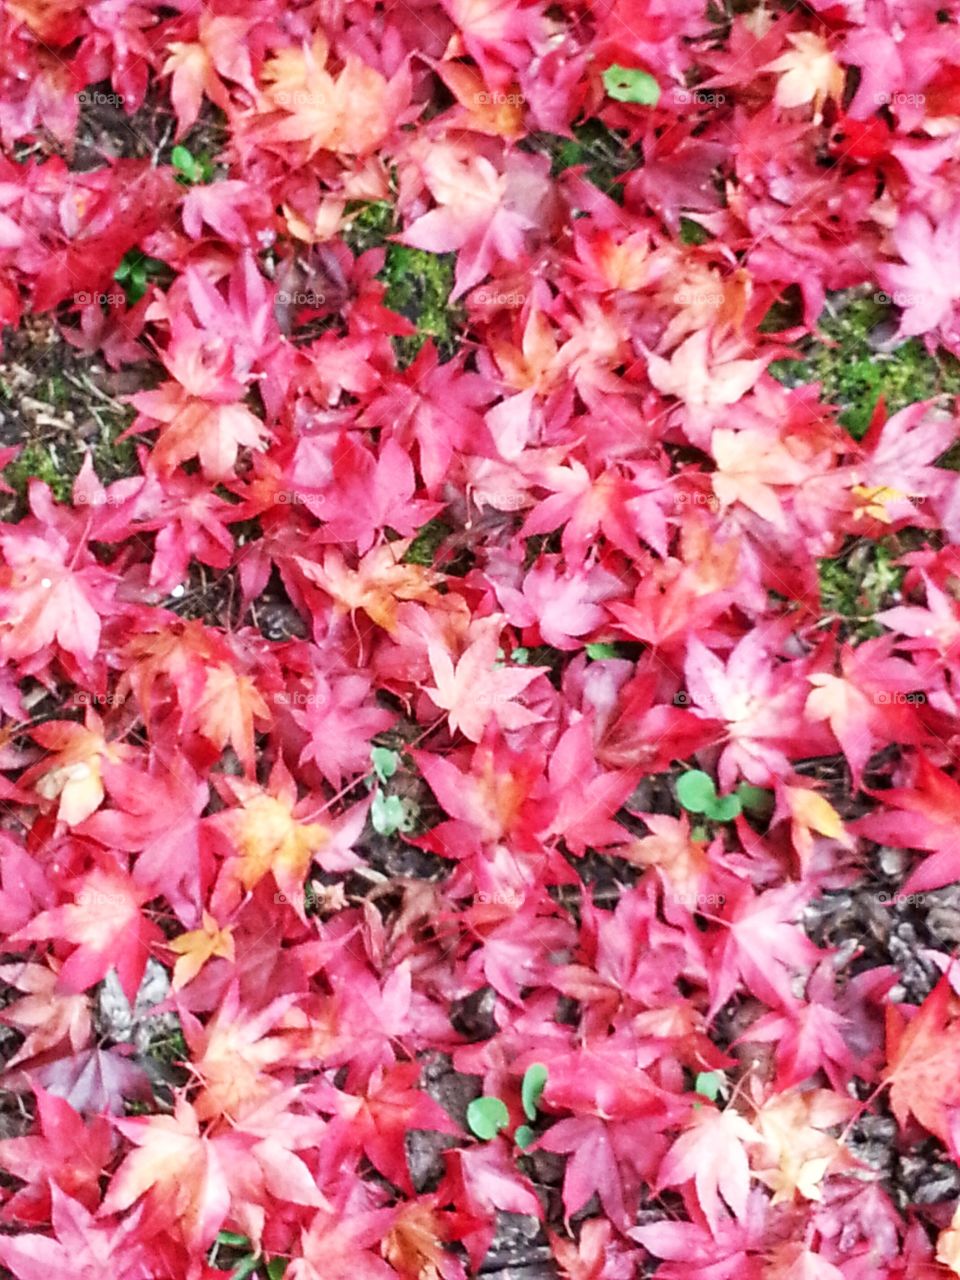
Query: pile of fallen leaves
(419, 769)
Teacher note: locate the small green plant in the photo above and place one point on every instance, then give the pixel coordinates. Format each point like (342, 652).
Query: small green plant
(710, 1085)
(251, 1261)
(191, 170)
(626, 84)
(135, 272)
(697, 793)
(487, 1116)
(388, 813)
(597, 652)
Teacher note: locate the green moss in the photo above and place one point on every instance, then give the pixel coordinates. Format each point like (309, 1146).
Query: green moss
(858, 584)
(369, 226)
(854, 373)
(40, 462)
(418, 283)
(418, 287)
(170, 1048)
(604, 152)
(423, 549)
(57, 462)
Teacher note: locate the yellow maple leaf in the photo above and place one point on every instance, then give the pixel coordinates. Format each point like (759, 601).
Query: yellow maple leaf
(874, 502)
(269, 838)
(197, 947)
(811, 812)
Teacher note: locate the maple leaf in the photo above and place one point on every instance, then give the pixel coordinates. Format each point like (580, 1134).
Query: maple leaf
(475, 691)
(45, 1016)
(191, 427)
(196, 947)
(339, 1245)
(701, 378)
(711, 1154)
(181, 1170)
(927, 282)
(482, 211)
(596, 1255)
(761, 947)
(350, 113)
(266, 836)
(338, 714)
(809, 73)
(378, 583)
(923, 1061)
(414, 1244)
(233, 1055)
(797, 1151)
(923, 816)
(751, 464)
(809, 1037)
(157, 816)
(418, 407)
(83, 1246)
(762, 706)
(65, 1152)
(107, 927)
(93, 1080)
(196, 67)
(228, 708)
(501, 796)
(811, 814)
(46, 597)
(376, 1123)
(369, 494)
(73, 773)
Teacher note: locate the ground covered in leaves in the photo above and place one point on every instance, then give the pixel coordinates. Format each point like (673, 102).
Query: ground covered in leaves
(479, 614)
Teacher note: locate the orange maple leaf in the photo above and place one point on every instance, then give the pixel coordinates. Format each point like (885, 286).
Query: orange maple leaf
(378, 583)
(348, 113)
(226, 712)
